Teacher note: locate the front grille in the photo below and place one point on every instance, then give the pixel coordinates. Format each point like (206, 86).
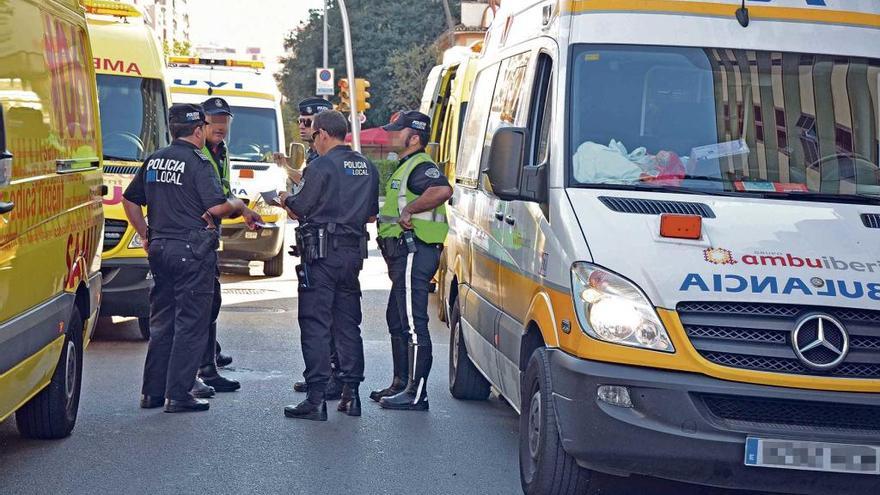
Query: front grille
(871, 220)
(656, 207)
(757, 336)
(114, 230)
(793, 413)
(121, 169)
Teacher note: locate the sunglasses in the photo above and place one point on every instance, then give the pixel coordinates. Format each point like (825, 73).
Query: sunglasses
(305, 122)
(316, 134)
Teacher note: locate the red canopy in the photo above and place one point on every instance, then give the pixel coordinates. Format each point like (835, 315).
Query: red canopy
(372, 137)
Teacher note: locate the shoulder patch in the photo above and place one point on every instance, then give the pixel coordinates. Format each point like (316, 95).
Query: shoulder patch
(201, 155)
(432, 173)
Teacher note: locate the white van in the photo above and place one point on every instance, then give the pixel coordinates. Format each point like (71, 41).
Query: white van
(255, 134)
(664, 247)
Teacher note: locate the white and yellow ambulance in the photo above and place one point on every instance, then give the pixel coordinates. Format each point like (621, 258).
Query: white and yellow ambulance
(134, 123)
(51, 218)
(255, 134)
(665, 241)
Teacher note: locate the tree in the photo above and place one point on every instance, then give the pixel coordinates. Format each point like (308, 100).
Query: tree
(409, 70)
(177, 49)
(379, 29)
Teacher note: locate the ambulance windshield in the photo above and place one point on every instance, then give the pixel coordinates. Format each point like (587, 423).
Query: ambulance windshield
(787, 125)
(134, 121)
(253, 136)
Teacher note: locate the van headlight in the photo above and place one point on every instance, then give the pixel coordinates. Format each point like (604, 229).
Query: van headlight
(135, 242)
(613, 309)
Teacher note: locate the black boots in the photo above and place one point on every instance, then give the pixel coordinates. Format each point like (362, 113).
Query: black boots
(314, 408)
(350, 402)
(212, 378)
(188, 405)
(201, 391)
(415, 396)
(399, 354)
(332, 392)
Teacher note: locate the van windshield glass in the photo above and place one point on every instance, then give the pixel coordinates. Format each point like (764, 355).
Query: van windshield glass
(134, 121)
(253, 135)
(786, 125)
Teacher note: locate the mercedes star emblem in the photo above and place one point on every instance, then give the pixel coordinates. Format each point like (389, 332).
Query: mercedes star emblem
(820, 342)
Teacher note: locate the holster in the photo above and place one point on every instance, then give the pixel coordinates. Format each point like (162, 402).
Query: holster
(203, 242)
(311, 242)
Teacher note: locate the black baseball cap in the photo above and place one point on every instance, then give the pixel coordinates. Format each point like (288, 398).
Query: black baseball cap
(216, 106)
(186, 113)
(409, 119)
(313, 106)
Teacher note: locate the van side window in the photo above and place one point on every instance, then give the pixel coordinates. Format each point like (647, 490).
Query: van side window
(506, 102)
(468, 166)
(541, 111)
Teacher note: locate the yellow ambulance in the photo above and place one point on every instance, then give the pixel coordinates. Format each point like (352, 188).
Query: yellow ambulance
(51, 218)
(663, 246)
(134, 109)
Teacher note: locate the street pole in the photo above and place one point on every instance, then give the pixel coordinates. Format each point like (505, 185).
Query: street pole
(349, 68)
(450, 24)
(325, 35)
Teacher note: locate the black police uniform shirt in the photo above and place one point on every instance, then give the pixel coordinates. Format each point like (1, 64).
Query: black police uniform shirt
(178, 185)
(311, 155)
(341, 187)
(424, 176)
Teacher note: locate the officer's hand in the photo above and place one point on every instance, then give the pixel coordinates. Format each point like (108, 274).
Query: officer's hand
(252, 218)
(291, 214)
(145, 241)
(405, 220)
(282, 197)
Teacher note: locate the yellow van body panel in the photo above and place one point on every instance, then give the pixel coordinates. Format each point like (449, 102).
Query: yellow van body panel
(50, 242)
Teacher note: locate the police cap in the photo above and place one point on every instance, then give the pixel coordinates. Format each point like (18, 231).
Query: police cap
(216, 106)
(409, 119)
(313, 106)
(186, 113)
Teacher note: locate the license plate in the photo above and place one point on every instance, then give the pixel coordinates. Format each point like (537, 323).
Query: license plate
(812, 456)
(250, 235)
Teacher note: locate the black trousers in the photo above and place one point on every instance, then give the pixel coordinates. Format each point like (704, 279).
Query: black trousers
(211, 350)
(411, 274)
(330, 309)
(180, 307)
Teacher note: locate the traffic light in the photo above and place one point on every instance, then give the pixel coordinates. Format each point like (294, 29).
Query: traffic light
(361, 94)
(344, 96)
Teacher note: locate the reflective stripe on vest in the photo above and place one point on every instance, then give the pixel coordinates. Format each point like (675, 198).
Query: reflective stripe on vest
(224, 176)
(429, 226)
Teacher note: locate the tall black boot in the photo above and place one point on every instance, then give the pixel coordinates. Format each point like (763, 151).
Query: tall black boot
(351, 400)
(313, 408)
(212, 378)
(415, 396)
(400, 357)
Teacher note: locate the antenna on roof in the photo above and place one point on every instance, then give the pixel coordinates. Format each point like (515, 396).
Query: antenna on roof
(742, 15)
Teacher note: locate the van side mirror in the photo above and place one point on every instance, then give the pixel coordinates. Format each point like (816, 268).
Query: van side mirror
(296, 155)
(509, 177)
(433, 149)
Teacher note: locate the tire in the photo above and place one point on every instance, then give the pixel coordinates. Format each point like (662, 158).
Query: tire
(274, 267)
(465, 381)
(52, 412)
(144, 327)
(544, 466)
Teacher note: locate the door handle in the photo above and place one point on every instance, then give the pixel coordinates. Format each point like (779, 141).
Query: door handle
(499, 215)
(6, 207)
(76, 165)
(509, 220)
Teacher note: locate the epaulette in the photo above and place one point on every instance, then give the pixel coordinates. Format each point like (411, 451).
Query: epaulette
(201, 155)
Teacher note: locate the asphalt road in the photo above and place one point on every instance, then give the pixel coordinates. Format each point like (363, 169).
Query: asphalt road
(244, 444)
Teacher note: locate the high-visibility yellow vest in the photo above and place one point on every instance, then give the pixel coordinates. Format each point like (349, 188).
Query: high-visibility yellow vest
(429, 226)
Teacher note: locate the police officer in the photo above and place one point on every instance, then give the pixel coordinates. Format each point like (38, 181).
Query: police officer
(219, 118)
(412, 228)
(308, 108)
(332, 241)
(178, 186)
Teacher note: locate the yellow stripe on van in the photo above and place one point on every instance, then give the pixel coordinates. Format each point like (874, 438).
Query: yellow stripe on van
(28, 378)
(223, 92)
(713, 9)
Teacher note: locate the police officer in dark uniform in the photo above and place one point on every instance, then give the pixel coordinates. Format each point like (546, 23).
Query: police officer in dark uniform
(219, 119)
(412, 229)
(308, 108)
(181, 192)
(332, 242)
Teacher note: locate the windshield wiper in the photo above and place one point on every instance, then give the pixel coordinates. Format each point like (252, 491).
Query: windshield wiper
(644, 186)
(243, 159)
(824, 197)
(121, 158)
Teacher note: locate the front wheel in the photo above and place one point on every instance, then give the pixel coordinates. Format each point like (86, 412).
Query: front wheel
(544, 466)
(52, 412)
(274, 267)
(144, 327)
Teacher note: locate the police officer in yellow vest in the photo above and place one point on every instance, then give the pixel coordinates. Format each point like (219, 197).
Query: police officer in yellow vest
(219, 119)
(412, 229)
